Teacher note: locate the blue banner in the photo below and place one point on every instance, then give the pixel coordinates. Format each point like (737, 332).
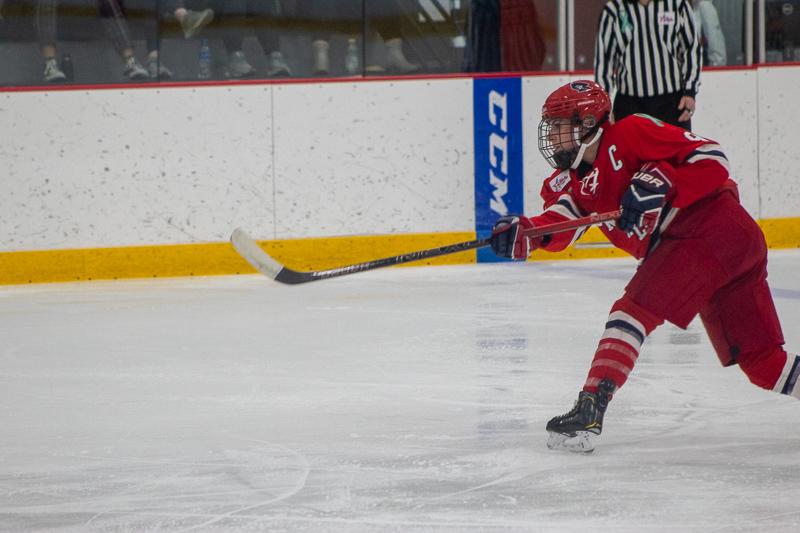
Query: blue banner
(497, 107)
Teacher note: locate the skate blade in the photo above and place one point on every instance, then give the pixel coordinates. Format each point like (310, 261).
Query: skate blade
(580, 443)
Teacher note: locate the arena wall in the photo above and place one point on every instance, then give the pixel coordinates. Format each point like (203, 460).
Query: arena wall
(150, 181)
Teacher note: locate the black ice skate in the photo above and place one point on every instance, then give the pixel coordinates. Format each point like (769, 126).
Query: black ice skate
(575, 430)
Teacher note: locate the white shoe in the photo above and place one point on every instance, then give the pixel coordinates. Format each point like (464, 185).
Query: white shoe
(157, 70)
(52, 73)
(238, 67)
(277, 66)
(134, 70)
(396, 60)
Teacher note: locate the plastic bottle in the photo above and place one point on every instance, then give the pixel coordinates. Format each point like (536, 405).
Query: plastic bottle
(204, 61)
(788, 50)
(67, 67)
(351, 57)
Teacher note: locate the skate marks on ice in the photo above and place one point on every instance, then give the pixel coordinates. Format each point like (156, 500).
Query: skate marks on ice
(407, 400)
(168, 484)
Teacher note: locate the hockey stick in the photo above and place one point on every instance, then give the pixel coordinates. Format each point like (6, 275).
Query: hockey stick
(261, 261)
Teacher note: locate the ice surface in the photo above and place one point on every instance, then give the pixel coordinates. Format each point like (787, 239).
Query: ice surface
(398, 400)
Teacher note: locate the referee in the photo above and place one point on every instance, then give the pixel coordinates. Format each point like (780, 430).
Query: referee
(648, 52)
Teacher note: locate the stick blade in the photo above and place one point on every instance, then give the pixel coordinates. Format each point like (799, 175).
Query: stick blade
(253, 254)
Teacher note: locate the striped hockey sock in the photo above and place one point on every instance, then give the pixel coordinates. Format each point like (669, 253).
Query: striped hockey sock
(627, 327)
(788, 381)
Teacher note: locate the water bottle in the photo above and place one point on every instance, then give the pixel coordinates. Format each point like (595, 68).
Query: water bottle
(351, 57)
(67, 67)
(204, 64)
(788, 50)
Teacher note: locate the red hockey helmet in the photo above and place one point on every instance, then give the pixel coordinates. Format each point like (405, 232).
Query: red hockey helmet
(572, 117)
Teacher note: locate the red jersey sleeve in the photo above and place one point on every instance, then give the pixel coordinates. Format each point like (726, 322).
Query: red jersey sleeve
(558, 207)
(701, 166)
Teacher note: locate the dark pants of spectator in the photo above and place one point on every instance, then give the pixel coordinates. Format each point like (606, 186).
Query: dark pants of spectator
(113, 15)
(663, 107)
(483, 52)
(269, 17)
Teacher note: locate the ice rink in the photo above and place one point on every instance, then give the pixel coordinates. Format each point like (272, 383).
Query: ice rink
(406, 400)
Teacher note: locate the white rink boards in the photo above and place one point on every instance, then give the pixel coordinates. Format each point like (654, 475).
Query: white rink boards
(397, 400)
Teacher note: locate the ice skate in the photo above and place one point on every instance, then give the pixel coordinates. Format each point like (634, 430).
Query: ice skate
(577, 430)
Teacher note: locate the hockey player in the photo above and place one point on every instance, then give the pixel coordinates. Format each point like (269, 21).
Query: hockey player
(700, 251)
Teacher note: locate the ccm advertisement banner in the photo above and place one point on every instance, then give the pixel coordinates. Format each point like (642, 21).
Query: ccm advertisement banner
(497, 106)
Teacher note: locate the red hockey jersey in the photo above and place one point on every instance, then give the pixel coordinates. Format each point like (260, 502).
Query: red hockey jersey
(701, 169)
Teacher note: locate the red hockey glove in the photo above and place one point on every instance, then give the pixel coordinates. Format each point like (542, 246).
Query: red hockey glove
(509, 240)
(643, 201)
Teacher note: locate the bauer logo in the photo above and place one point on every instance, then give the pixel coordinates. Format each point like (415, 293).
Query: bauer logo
(497, 106)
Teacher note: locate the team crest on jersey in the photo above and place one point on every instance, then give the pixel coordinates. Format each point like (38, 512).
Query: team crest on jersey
(558, 183)
(580, 86)
(589, 183)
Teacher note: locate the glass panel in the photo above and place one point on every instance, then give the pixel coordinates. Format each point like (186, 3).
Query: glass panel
(322, 32)
(587, 19)
(723, 42)
(413, 36)
(49, 41)
(214, 39)
(783, 31)
(546, 25)
(511, 36)
(125, 41)
(263, 38)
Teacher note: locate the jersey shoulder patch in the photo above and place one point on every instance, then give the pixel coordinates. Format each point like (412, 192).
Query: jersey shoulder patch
(559, 182)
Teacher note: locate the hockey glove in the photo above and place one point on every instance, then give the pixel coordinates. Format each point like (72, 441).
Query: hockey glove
(643, 201)
(508, 237)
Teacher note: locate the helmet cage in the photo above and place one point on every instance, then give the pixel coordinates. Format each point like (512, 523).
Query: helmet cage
(560, 146)
(571, 122)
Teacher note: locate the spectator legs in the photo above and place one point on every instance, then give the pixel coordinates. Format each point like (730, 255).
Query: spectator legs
(268, 18)
(46, 34)
(116, 26)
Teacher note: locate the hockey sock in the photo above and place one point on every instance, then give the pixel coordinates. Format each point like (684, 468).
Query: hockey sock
(627, 327)
(788, 381)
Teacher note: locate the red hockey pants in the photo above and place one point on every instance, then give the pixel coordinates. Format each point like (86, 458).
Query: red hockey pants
(712, 261)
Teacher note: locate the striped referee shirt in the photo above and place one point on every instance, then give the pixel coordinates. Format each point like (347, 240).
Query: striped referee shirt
(648, 50)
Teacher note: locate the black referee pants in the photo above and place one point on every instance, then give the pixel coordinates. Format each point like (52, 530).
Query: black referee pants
(663, 107)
